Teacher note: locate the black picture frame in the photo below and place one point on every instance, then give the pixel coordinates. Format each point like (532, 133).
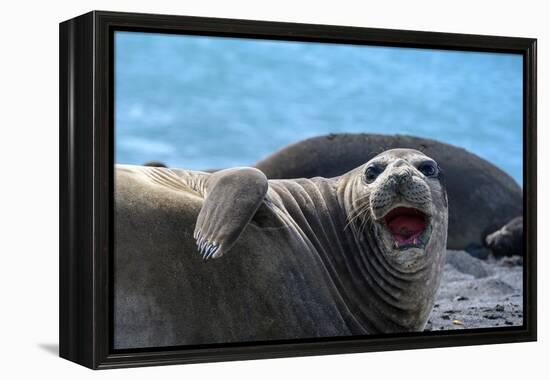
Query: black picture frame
(86, 186)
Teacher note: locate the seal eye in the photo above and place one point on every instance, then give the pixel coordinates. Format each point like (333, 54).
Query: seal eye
(429, 169)
(372, 172)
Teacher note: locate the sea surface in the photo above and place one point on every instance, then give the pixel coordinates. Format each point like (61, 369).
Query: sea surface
(211, 102)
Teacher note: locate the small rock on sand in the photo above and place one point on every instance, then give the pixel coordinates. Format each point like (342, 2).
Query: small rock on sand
(467, 264)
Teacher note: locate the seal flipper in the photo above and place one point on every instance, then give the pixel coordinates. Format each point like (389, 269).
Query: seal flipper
(232, 198)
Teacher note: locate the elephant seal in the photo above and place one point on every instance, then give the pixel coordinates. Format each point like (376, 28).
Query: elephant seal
(508, 240)
(482, 198)
(156, 164)
(361, 253)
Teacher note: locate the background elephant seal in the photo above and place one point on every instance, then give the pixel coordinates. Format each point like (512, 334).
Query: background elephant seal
(482, 198)
(156, 164)
(508, 240)
(359, 254)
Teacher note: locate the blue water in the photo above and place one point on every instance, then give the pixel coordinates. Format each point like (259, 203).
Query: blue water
(207, 102)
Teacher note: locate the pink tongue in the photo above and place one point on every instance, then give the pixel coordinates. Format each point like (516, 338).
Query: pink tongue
(406, 228)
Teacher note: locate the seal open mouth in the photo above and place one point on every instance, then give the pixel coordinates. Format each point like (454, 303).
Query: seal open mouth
(408, 227)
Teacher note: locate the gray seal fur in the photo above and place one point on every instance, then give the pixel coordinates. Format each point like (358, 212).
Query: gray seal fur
(299, 258)
(508, 240)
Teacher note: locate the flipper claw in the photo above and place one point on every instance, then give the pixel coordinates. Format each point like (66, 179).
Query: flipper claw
(232, 195)
(212, 249)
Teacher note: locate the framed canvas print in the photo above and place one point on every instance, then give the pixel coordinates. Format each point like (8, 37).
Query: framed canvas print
(237, 189)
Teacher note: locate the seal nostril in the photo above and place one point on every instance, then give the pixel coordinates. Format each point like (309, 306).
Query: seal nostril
(401, 181)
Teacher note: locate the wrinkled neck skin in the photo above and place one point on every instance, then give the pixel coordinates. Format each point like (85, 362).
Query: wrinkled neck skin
(399, 285)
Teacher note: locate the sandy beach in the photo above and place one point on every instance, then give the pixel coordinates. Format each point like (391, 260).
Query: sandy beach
(478, 293)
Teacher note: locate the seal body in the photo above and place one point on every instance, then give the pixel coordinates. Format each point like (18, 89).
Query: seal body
(508, 240)
(299, 258)
(482, 198)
